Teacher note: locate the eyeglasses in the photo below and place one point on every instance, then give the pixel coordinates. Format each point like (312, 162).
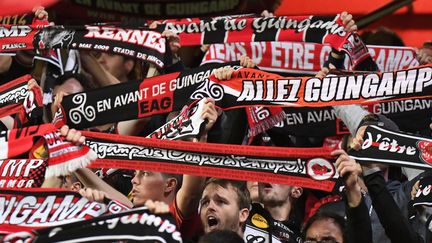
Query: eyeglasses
(321, 241)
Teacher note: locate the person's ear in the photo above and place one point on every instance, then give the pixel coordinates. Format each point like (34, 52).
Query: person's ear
(76, 186)
(243, 215)
(170, 184)
(296, 192)
(129, 65)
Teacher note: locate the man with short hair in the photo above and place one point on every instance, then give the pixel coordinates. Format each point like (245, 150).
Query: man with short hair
(271, 222)
(182, 198)
(71, 182)
(325, 226)
(155, 186)
(181, 193)
(224, 205)
(119, 66)
(278, 199)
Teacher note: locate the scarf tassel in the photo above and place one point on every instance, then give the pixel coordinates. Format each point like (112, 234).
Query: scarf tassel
(71, 165)
(266, 124)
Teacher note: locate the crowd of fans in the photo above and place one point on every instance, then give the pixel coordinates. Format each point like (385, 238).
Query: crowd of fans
(373, 206)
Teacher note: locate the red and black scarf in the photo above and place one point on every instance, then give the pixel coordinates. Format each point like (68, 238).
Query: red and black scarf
(64, 157)
(305, 167)
(12, 95)
(233, 29)
(140, 43)
(187, 124)
(138, 225)
(35, 208)
(304, 58)
(31, 110)
(247, 87)
(22, 173)
(395, 148)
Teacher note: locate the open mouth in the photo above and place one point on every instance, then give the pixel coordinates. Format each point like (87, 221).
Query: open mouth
(212, 222)
(267, 186)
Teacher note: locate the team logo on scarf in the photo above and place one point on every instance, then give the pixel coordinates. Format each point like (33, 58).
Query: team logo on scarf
(320, 169)
(426, 151)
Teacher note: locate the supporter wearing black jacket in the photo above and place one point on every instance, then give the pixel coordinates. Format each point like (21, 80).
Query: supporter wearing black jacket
(396, 225)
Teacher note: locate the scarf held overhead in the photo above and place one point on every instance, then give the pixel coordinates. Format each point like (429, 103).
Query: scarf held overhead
(231, 29)
(305, 167)
(187, 124)
(228, 29)
(132, 99)
(323, 122)
(31, 111)
(22, 173)
(27, 209)
(139, 43)
(64, 157)
(12, 94)
(120, 9)
(247, 87)
(137, 225)
(395, 148)
(304, 58)
(19, 37)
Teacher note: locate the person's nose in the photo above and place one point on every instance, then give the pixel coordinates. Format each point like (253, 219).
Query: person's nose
(101, 59)
(211, 206)
(135, 180)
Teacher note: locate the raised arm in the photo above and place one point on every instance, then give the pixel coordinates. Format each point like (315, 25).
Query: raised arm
(188, 196)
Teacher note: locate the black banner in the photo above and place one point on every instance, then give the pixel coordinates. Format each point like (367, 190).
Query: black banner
(245, 88)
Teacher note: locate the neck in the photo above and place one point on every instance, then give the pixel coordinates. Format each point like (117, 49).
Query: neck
(240, 232)
(279, 212)
(168, 199)
(123, 79)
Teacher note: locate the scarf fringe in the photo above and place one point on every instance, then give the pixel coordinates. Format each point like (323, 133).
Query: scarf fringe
(266, 124)
(70, 166)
